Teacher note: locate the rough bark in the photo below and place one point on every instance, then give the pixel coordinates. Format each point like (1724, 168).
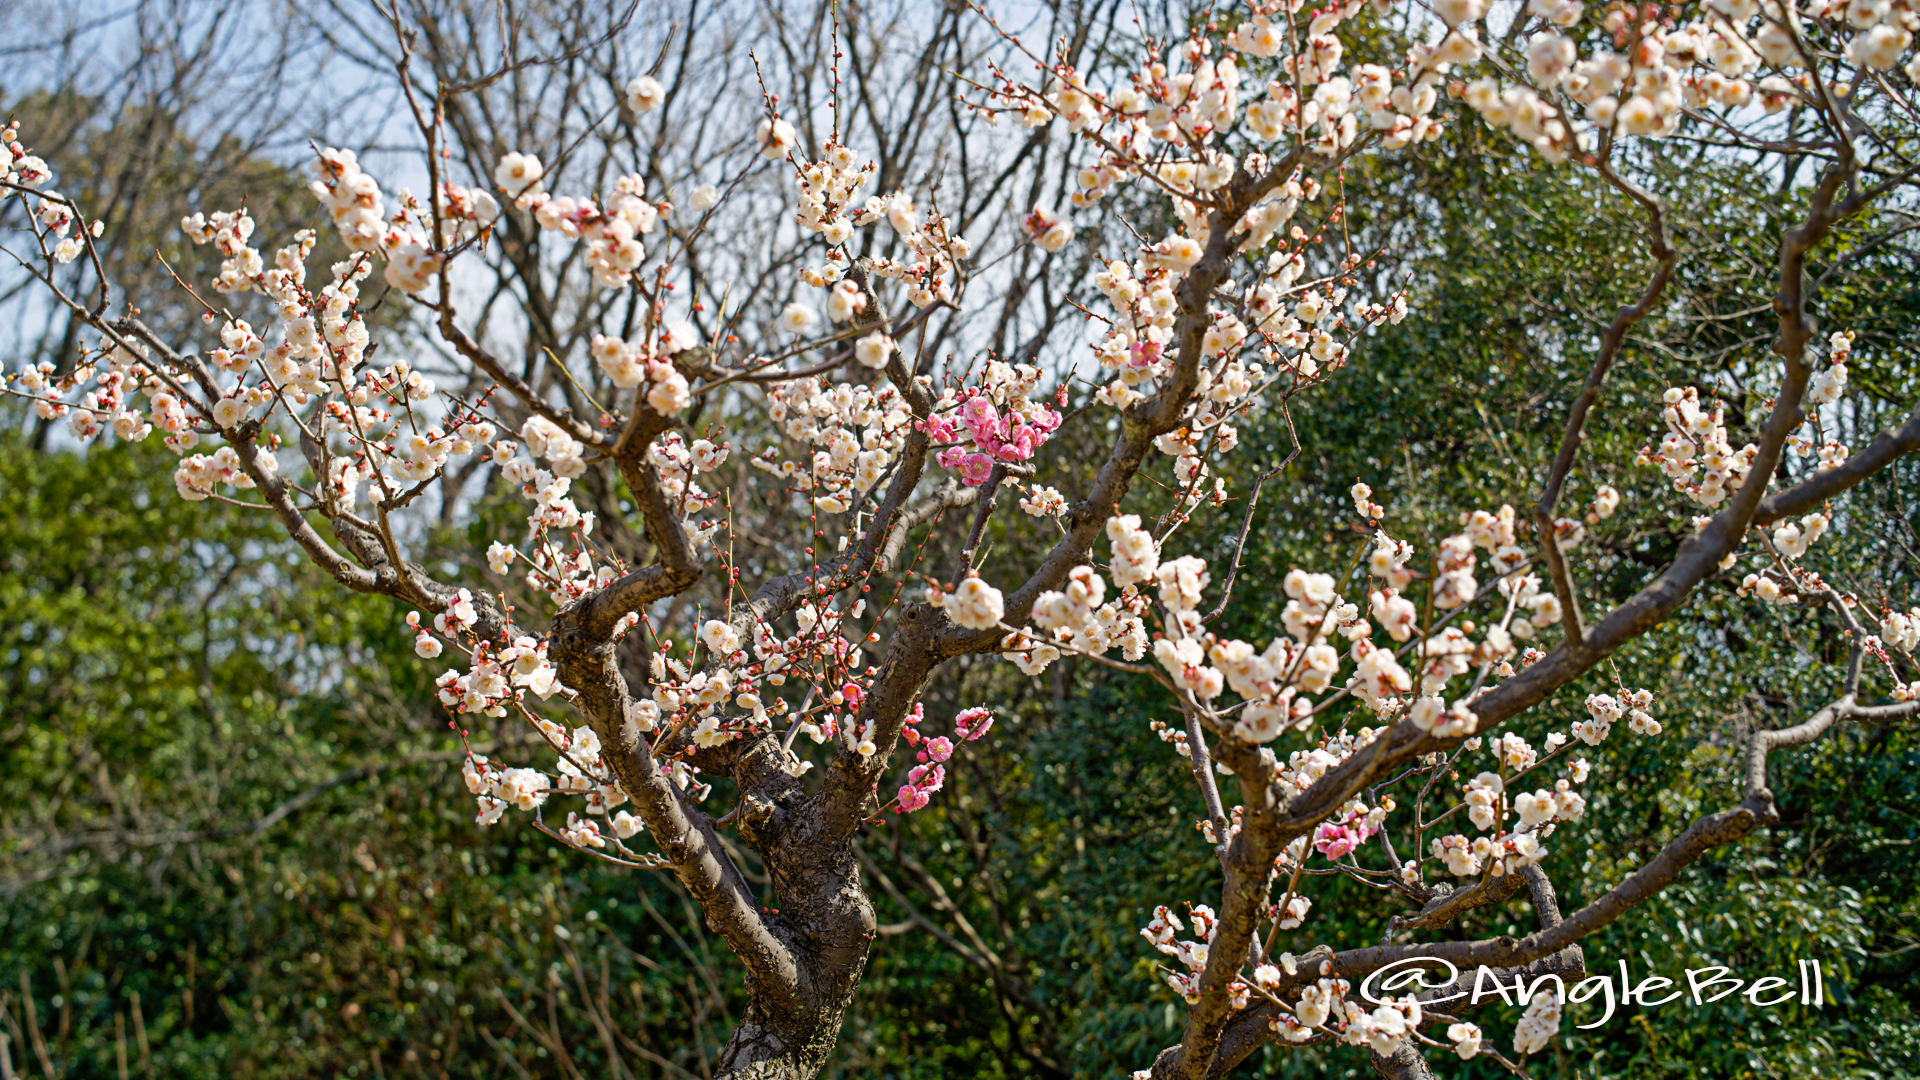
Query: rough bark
(1405, 1063)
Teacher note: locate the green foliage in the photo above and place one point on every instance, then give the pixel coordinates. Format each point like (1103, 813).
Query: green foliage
(229, 809)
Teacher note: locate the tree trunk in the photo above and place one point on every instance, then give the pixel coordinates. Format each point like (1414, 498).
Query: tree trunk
(821, 912)
(765, 1047)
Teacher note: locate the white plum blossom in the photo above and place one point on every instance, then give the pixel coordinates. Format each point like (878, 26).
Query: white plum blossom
(518, 174)
(1539, 1024)
(974, 604)
(644, 94)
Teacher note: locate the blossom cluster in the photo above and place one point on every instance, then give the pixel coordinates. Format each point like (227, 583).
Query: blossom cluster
(1900, 633)
(825, 190)
(1695, 453)
(613, 249)
(390, 425)
(734, 693)
(1080, 617)
(1901, 630)
(24, 171)
(1324, 1007)
(1186, 100)
(647, 365)
(929, 775)
(1491, 801)
(17, 165)
(1280, 326)
(580, 771)
(1604, 709)
(997, 422)
(1277, 684)
(353, 198)
(855, 433)
(1658, 72)
(1825, 388)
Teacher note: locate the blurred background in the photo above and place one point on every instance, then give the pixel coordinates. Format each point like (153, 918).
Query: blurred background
(234, 840)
